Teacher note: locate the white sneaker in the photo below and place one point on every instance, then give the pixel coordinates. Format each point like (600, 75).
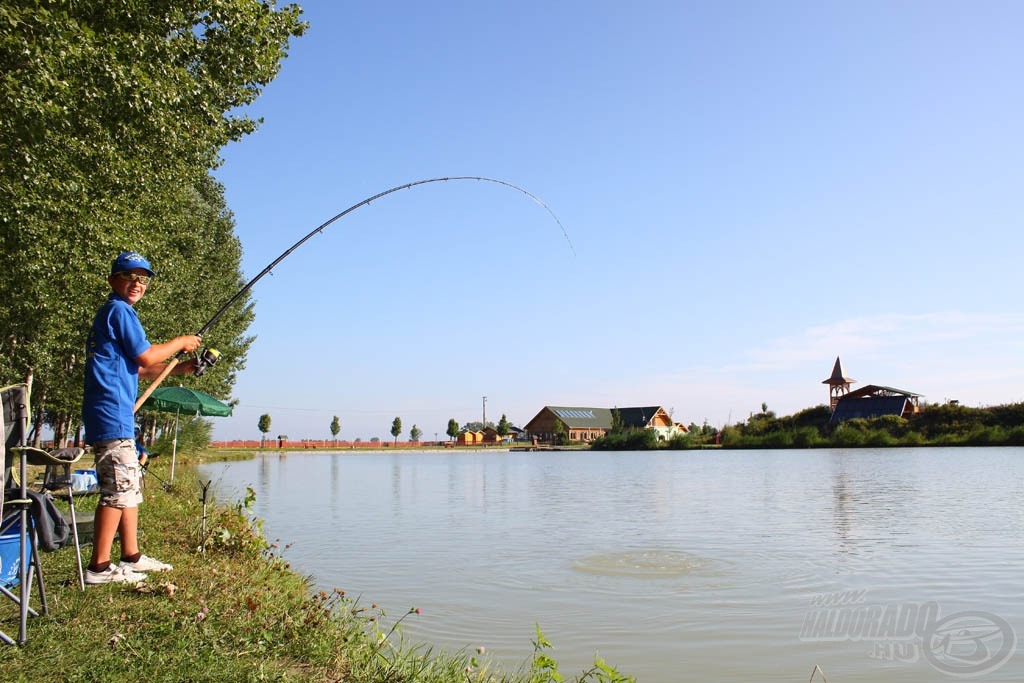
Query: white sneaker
(113, 574)
(147, 564)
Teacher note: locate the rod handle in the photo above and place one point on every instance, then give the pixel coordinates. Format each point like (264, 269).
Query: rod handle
(155, 383)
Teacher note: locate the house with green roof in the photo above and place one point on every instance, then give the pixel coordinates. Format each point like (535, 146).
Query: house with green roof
(584, 424)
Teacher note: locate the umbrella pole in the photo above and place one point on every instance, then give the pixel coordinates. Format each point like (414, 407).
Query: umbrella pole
(174, 445)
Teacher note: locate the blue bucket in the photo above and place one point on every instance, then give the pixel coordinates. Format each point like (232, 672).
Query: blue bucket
(10, 556)
(84, 481)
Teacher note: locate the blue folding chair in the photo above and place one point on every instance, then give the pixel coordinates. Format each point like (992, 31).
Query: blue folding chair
(24, 512)
(21, 556)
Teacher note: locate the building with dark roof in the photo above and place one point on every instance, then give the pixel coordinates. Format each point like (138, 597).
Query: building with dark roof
(588, 423)
(872, 400)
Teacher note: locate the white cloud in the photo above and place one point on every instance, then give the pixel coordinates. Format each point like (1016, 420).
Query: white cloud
(974, 357)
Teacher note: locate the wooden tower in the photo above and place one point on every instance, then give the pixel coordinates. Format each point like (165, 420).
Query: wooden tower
(838, 384)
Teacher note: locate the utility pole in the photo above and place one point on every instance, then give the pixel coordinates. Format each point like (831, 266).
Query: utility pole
(485, 413)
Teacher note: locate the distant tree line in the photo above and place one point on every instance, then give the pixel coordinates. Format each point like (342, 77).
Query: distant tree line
(936, 425)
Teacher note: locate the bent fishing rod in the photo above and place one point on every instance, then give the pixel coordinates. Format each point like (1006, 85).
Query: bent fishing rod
(319, 229)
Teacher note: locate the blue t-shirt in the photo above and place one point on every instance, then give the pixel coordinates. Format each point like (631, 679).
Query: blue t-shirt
(111, 372)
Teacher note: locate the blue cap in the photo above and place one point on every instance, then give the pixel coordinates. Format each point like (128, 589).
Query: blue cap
(130, 260)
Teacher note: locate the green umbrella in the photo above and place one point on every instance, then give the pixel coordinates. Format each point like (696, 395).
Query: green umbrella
(179, 400)
(184, 400)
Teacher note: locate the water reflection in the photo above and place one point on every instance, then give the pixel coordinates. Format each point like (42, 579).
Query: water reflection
(868, 499)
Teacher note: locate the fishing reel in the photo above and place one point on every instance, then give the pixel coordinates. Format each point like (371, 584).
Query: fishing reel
(206, 359)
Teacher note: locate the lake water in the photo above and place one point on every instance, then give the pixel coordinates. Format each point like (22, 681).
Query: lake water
(894, 565)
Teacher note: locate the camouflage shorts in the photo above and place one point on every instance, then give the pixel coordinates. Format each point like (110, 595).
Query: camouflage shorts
(117, 469)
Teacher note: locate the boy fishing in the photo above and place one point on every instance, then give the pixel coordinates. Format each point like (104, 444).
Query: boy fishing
(117, 355)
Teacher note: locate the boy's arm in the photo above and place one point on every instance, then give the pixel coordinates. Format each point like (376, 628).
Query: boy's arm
(151, 362)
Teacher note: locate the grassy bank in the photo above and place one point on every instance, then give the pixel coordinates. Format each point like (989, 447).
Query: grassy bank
(232, 610)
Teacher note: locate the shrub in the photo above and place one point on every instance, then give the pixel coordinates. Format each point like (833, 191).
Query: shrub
(890, 424)
(778, 440)
(680, 442)
(912, 439)
(879, 439)
(194, 434)
(848, 436)
(807, 437)
(629, 440)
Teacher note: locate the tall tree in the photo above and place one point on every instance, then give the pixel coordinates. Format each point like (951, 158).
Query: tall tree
(503, 426)
(561, 438)
(335, 428)
(453, 428)
(415, 433)
(396, 428)
(113, 115)
(264, 427)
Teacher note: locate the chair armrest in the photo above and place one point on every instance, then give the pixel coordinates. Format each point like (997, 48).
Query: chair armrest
(61, 456)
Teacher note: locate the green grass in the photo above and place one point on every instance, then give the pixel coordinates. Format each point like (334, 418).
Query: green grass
(231, 610)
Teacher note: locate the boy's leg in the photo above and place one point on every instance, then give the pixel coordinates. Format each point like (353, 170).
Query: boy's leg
(104, 527)
(117, 469)
(129, 532)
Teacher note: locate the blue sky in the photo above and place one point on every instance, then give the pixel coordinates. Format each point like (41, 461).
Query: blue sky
(751, 190)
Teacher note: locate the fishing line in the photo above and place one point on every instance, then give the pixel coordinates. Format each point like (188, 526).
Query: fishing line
(319, 229)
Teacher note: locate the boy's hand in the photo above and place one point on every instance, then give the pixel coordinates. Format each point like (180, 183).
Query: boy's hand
(190, 342)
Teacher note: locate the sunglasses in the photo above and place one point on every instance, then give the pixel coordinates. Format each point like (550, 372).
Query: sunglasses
(132, 277)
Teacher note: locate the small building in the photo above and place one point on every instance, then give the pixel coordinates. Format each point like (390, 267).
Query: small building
(654, 418)
(875, 401)
(869, 401)
(468, 438)
(491, 435)
(584, 424)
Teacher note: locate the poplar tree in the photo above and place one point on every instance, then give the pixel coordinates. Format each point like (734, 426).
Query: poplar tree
(114, 114)
(264, 426)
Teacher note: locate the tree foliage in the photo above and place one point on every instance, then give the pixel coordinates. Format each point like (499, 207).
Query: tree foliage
(415, 433)
(335, 427)
(453, 428)
(935, 425)
(114, 113)
(396, 428)
(263, 425)
(560, 436)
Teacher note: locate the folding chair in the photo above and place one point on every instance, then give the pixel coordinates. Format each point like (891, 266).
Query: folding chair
(15, 518)
(56, 477)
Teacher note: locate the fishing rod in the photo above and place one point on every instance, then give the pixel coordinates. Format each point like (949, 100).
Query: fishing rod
(210, 359)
